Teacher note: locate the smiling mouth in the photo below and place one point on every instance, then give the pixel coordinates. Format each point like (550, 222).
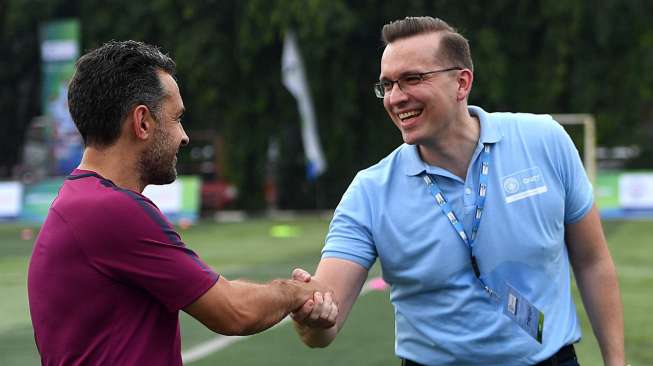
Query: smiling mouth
(410, 114)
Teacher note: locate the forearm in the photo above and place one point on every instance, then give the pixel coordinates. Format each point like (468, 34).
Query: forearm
(241, 308)
(316, 337)
(599, 289)
(258, 307)
(598, 285)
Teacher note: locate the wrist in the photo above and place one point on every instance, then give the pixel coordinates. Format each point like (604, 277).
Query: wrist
(292, 292)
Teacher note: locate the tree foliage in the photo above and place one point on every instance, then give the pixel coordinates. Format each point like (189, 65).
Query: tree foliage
(535, 56)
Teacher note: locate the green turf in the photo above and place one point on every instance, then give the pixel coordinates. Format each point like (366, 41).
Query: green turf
(357, 344)
(16, 337)
(631, 244)
(246, 250)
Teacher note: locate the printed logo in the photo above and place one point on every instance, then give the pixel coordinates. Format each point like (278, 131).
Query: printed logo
(511, 185)
(524, 183)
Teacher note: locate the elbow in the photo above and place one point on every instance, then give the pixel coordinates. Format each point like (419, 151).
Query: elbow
(220, 326)
(317, 344)
(317, 338)
(227, 329)
(241, 329)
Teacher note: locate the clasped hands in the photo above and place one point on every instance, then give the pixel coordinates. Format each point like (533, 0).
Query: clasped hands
(321, 311)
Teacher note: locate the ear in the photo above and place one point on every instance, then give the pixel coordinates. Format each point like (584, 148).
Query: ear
(465, 80)
(142, 122)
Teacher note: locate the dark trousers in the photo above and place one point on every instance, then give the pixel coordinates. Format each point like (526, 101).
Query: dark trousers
(566, 356)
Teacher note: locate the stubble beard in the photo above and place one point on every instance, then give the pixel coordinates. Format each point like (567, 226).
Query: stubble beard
(157, 163)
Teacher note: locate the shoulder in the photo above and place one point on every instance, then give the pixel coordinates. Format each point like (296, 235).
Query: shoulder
(522, 121)
(526, 127)
(135, 211)
(121, 202)
(86, 195)
(96, 201)
(530, 128)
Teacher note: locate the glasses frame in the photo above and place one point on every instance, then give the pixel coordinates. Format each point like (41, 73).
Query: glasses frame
(379, 89)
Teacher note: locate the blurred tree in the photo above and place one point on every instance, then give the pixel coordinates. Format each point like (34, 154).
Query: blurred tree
(536, 56)
(19, 75)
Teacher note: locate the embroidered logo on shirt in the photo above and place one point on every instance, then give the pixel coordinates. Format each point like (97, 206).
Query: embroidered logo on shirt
(522, 184)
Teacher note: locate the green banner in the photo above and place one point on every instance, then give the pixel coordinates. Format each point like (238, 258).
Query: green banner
(179, 201)
(190, 195)
(59, 51)
(38, 198)
(606, 190)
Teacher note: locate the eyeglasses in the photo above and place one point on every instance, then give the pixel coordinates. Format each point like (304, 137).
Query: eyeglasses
(384, 87)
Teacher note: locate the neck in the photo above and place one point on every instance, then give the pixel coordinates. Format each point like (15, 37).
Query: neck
(453, 149)
(114, 163)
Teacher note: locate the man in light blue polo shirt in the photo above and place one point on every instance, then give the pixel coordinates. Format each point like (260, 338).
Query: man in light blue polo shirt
(475, 220)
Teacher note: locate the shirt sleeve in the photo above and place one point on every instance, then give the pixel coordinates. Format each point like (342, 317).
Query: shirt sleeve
(350, 233)
(141, 249)
(579, 196)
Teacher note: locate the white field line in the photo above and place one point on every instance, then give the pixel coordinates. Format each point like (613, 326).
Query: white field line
(219, 342)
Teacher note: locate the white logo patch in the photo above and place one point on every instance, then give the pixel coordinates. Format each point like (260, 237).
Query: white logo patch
(522, 184)
(511, 185)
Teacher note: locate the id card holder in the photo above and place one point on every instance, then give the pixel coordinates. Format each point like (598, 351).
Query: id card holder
(525, 314)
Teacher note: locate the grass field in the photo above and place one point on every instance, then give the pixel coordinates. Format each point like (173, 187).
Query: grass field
(247, 250)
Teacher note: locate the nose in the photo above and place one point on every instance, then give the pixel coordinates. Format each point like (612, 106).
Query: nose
(396, 94)
(184, 136)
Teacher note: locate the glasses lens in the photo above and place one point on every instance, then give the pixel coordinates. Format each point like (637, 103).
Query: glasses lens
(378, 90)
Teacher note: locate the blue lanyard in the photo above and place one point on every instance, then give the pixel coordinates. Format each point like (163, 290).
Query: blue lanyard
(480, 204)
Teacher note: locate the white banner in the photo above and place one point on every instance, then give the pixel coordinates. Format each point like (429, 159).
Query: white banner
(294, 79)
(11, 196)
(54, 50)
(167, 197)
(636, 190)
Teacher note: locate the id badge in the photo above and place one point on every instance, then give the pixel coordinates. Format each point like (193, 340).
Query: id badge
(525, 314)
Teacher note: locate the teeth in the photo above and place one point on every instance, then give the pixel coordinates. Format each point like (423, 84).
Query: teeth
(409, 114)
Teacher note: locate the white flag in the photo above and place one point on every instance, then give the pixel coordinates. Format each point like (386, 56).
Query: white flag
(294, 78)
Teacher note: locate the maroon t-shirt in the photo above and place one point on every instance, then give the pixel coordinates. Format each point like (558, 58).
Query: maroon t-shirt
(108, 277)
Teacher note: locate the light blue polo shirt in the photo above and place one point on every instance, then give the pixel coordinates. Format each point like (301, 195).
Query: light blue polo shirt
(537, 184)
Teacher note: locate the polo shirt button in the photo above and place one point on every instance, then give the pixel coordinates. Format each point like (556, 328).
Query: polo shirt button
(468, 190)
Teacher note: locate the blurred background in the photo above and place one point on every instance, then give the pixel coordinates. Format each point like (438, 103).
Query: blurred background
(281, 115)
(246, 139)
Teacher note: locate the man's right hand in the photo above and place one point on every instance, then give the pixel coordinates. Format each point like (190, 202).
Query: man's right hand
(345, 279)
(320, 311)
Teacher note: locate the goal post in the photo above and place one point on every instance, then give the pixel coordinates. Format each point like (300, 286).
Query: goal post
(589, 139)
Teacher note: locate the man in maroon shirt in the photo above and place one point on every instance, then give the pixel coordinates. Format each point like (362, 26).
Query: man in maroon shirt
(109, 274)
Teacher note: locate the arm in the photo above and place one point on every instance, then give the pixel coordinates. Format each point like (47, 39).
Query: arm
(241, 308)
(598, 285)
(346, 278)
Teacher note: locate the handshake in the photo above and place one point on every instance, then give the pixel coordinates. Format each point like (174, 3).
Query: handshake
(318, 307)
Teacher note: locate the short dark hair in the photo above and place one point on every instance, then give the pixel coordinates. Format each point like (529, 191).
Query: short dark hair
(109, 81)
(454, 48)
